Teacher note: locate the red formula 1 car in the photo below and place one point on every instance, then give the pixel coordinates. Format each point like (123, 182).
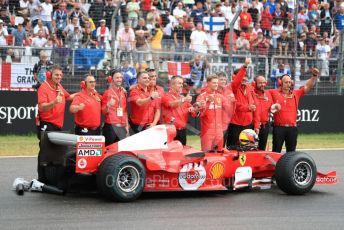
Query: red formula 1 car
(152, 161)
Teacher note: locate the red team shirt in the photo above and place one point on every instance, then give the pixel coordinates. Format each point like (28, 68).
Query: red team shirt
(264, 102)
(89, 117)
(120, 97)
(288, 114)
(227, 114)
(180, 113)
(47, 93)
(144, 114)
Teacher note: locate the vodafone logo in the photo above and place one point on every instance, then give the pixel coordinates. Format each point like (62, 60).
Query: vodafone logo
(82, 163)
(192, 176)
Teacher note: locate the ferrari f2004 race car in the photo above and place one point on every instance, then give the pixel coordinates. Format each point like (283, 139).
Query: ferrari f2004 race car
(152, 161)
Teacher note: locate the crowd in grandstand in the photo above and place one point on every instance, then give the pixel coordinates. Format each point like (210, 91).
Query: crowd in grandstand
(263, 26)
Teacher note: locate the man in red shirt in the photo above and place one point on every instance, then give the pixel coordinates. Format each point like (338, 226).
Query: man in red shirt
(145, 105)
(245, 19)
(264, 103)
(212, 105)
(153, 76)
(245, 114)
(114, 108)
(86, 108)
(51, 102)
(51, 107)
(226, 90)
(286, 101)
(176, 108)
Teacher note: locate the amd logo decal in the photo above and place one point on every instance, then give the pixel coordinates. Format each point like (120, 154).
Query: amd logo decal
(310, 115)
(12, 113)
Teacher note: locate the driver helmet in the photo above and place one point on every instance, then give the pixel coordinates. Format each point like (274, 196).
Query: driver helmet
(248, 138)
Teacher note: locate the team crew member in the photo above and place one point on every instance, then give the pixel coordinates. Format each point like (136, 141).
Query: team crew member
(145, 105)
(114, 108)
(286, 101)
(86, 108)
(245, 114)
(176, 108)
(51, 102)
(226, 90)
(153, 76)
(212, 105)
(51, 107)
(264, 103)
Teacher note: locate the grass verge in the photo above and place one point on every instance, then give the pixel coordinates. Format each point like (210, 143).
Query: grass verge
(27, 145)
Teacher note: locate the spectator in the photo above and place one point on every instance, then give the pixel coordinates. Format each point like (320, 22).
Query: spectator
(179, 39)
(279, 13)
(254, 12)
(326, 19)
(74, 40)
(126, 42)
(199, 42)
(46, 14)
(242, 44)
(96, 10)
(230, 18)
(245, 19)
(310, 49)
(276, 29)
(153, 17)
(272, 6)
(283, 44)
(129, 74)
(260, 45)
(156, 44)
(313, 15)
(276, 73)
(334, 44)
(339, 19)
(24, 8)
(40, 26)
(207, 7)
(198, 13)
(70, 27)
(213, 42)
(133, 9)
(226, 10)
(266, 22)
(197, 74)
(323, 52)
(34, 9)
(5, 18)
(40, 69)
(88, 39)
(19, 35)
(108, 11)
(146, 6)
(302, 19)
(60, 19)
(179, 11)
(217, 11)
(77, 13)
(39, 41)
(103, 35)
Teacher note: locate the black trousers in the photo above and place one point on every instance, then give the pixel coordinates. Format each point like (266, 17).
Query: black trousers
(263, 136)
(43, 127)
(233, 133)
(181, 136)
(85, 131)
(137, 128)
(113, 133)
(281, 134)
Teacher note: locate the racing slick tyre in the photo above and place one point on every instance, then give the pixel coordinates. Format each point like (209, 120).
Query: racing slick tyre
(121, 178)
(295, 173)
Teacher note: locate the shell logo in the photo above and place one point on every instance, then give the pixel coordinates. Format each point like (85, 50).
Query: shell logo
(217, 170)
(81, 138)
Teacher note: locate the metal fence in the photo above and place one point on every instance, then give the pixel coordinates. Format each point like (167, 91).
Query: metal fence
(74, 68)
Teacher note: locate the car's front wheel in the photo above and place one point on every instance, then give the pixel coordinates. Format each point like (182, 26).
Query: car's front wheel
(295, 173)
(121, 178)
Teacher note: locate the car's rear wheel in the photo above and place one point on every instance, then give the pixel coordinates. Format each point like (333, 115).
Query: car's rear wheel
(121, 178)
(295, 173)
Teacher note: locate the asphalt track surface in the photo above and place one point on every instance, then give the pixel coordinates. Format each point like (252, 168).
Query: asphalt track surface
(322, 208)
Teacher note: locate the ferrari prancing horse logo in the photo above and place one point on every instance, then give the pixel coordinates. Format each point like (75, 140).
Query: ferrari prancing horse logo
(242, 159)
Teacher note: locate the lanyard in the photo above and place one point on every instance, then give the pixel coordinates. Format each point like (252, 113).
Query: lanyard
(119, 98)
